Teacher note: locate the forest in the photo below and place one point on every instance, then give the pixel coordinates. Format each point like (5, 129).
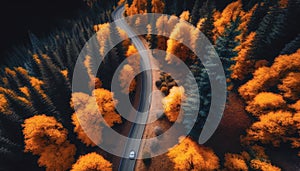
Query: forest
(258, 42)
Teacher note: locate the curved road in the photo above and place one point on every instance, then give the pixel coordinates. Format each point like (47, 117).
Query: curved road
(137, 130)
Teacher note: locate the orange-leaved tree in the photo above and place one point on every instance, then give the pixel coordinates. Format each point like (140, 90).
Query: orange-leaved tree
(189, 155)
(46, 137)
(265, 102)
(185, 15)
(127, 81)
(263, 166)
(106, 105)
(172, 103)
(231, 13)
(235, 162)
(87, 119)
(182, 33)
(137, 7)
(243, 63)
(272, 97)
(92, 161)
(94, 81)
(133, 58)
(275, 128)
(157, 6)
(164, 26)
(277, 76)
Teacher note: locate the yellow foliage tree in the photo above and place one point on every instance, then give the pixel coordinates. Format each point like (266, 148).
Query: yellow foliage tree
(274, 128)
(127, 83)
(296, 106)
(283, 3)
(131, 50)
(4, 107)
(41, 130)
(243, 64)
(172, 103)
(263, 166)
(94, 81)
(133, 58)
(235, 162)
(245, 19)
(278, 120)
(87, 119)
(164, 26)
(103, 37)
(185, 15)
(291, 86)
(265, 102)
(137, 7)
(182, 33)
(259, 151)
(46, 137)
(90, 128)
(189, 155)
(230, 13)
(36, 83)
(106, 105)
(92, 161)
(157, 6)
(265, 78)
(58, 157)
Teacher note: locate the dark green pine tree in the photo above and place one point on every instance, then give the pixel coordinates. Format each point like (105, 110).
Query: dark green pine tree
(291, 47)
(189, 104)
(204, 89)
(207, 11)
(33, 68)
(11, 126)
(204, 74)
(40, 102)
(270, 34)
(291, 40)
(188, 5)
(129, 2)
(18, 105)
(149, 6)
(260, 12)
(195, 12)
(12, 156)
(115, 38)
(178, 6)
(153, 38)
(226, 44)
(58, 89)
(169, 7)
(10, 81)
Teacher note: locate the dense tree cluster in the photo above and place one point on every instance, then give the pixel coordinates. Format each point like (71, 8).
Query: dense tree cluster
(272, 95)
(257, 41)
(248, 37)
(36, 114)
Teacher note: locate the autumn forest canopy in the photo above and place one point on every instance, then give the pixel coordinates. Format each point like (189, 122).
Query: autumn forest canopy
(258, 43)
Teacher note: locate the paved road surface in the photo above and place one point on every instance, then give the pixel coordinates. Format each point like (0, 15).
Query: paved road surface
(137, 130)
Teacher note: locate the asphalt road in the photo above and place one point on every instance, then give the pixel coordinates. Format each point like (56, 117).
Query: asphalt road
(137, 130)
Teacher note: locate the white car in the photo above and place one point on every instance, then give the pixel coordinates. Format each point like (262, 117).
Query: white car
(132, 155)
